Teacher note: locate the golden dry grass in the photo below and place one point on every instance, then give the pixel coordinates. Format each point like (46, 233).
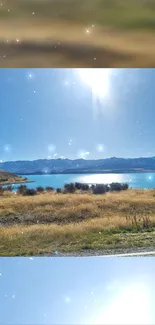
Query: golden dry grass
(68, 208)
(46, 222)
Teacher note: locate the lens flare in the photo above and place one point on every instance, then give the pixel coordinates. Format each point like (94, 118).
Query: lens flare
(97, 79)
(130, 306)
(99, 82)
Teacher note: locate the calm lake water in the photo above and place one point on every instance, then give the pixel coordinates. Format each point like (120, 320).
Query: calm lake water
(135, 180)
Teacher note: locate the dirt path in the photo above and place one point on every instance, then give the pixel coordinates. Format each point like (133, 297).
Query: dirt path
(46, 44)
(128, 252)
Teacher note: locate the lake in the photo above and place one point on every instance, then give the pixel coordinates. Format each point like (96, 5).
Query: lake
(135, 180)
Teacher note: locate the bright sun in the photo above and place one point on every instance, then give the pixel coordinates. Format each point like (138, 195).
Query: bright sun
(97, 79)
(131, 306)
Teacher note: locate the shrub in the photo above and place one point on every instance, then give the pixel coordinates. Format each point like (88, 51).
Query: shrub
(30, 192)
(125, 186)
(118, 187)
(21, 189)
(4, 179)
(81, 186)
(9, 188)
(115, 187)
(40, 189)
(107, 187)
(99, 189)
(69, 188)
(84, 187)
(58, 190)
(1, 190)
(49, 189)
(77, 186)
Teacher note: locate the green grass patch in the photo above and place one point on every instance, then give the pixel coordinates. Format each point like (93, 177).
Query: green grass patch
(24, 242)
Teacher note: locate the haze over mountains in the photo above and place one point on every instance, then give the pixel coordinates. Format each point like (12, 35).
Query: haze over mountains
(53, 166)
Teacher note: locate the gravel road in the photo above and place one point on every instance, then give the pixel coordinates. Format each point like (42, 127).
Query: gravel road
(129, 252)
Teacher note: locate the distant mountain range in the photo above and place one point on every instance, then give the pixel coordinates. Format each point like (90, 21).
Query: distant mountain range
(68, 166)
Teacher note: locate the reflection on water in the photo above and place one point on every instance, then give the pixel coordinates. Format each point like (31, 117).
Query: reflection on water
(135, 180)
(101, 178)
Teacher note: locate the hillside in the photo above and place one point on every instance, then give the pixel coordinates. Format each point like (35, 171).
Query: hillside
(9, 178)
(63, 166)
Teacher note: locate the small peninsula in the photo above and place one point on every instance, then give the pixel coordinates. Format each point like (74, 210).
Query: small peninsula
(7, 178)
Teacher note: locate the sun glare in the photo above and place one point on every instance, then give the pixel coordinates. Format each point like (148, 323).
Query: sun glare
(101, 178)
(97, 79)
(132, 306)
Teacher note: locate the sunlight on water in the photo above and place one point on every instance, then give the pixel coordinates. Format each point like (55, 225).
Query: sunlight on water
(101, 178)
(135, 180)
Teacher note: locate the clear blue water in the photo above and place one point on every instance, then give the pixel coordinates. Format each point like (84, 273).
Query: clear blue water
(135, 180)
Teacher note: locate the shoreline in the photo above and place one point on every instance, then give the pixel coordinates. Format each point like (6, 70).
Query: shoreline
(16, 183)
(89, 172)
(103, 252)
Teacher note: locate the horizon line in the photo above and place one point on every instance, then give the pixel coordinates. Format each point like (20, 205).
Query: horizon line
(74, 159)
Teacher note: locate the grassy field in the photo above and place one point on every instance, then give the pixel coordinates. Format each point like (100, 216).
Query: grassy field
(49, 222)
(77, 33)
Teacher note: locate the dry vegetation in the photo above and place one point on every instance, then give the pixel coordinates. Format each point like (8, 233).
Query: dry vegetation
(70, 222)
(52, 33)
(7, 178)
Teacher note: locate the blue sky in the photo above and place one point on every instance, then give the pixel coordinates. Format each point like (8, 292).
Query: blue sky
(77, 290)
(88, 113)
